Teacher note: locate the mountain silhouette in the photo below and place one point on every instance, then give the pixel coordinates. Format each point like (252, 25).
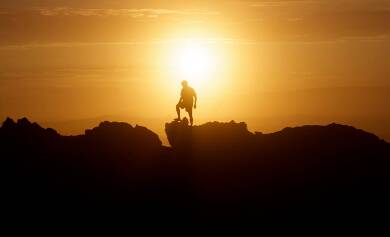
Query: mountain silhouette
(212, 170)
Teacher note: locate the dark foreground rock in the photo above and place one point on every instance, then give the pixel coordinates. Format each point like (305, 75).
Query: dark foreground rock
(213, 170)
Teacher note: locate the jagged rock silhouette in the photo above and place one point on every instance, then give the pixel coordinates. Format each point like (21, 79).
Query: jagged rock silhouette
(23, 127)
(212, 169)
(296, 162)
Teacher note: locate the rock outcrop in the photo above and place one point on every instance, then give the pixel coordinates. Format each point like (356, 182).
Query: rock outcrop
(212, 169)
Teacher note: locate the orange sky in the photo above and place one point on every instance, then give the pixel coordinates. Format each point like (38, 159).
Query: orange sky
(290, 61)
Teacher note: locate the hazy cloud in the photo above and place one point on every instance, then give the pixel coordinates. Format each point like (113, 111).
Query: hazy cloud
(253, 21)
(135, 13)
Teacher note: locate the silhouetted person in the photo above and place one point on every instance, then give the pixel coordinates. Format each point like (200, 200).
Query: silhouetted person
(186, 100)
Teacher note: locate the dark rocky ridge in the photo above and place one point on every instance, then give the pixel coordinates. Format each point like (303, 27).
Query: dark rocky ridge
(209, 169)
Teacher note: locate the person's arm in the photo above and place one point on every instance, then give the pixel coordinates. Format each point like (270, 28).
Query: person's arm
(196, 98)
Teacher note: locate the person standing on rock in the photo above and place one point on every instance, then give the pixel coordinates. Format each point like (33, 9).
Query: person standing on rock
(186, 100)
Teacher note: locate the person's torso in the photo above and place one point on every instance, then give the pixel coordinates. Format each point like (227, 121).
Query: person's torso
(187, 94)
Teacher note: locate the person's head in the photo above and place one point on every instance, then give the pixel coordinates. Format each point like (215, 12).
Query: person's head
(184, 83)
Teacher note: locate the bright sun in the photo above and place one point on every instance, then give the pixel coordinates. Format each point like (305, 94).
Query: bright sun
(194, 61)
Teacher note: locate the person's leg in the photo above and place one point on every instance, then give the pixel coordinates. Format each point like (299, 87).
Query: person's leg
(178, 111)
(190, 114)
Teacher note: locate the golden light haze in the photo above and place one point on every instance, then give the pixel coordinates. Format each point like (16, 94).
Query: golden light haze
(272, 64)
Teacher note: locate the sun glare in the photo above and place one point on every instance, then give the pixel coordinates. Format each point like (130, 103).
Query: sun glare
(194, 61)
